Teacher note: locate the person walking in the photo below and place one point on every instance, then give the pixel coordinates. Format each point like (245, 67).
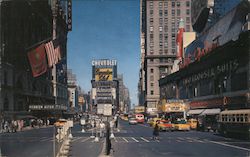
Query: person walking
(156, 132)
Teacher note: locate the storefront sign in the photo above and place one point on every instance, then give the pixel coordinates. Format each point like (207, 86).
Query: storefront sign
(207, 103)
(47, 107)
(219, 69)
(69, 15)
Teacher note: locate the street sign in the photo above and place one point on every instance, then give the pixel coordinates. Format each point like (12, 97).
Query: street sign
(70, 122)
(107, 110)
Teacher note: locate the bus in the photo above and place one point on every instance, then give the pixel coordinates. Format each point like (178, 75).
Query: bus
(235, 123)
(139, 117)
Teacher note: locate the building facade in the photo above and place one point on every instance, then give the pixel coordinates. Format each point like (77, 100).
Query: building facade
(24, 25)
(215, 75)
(159, 25)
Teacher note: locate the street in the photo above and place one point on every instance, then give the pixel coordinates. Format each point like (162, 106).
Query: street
(131, 140)
(136, 141)
(35, 142)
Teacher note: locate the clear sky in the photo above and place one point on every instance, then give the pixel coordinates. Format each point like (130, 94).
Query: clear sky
(108, 29)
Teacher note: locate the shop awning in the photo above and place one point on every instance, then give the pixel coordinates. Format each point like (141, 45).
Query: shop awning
(211, 111)
(198, 111)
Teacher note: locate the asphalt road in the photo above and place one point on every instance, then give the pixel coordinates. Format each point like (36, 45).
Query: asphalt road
(131, 141)
(136, 141)
(32, 143)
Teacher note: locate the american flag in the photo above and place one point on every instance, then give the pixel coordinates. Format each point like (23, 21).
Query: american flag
(53, 54)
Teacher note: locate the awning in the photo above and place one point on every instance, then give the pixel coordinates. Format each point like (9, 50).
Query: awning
(198, 111)
(211, 111)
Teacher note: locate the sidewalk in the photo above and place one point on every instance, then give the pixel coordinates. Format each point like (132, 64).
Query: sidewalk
(28, 128)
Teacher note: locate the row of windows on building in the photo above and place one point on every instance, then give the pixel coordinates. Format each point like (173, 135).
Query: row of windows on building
(173, 4)
(174, 21)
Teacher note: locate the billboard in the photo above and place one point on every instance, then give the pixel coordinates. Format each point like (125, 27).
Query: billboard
(103, 74)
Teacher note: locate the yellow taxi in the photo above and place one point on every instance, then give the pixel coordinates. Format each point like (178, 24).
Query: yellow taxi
(193, 123)
(181, 125)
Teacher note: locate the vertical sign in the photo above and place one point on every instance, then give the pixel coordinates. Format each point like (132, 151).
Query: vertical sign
(69, 15)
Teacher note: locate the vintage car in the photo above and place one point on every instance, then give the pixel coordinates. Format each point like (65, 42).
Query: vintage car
(132, 121)
(181, 125)
(165, 125)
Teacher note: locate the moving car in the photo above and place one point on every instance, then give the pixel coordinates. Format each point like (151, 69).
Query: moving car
(181, 125)
(132, 121)
(165, 125)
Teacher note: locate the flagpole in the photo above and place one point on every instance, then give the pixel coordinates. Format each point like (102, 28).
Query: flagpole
(37, 44)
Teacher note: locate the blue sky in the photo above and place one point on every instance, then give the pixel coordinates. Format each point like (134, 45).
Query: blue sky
(105, 29)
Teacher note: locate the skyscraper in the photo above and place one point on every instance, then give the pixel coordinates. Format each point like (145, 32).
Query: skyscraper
(159, 25)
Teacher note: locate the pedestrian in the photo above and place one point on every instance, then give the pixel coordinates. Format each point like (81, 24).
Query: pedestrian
(102, 127)
(156, 132)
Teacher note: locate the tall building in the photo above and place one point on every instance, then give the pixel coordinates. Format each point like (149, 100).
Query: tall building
(124, 99)
(72, 91)
(25, 26)
(159, 25)
(105, 87)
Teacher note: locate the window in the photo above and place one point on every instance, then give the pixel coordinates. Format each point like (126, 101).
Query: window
(160, 51)
(151, 70)
(173, 12)
(151, 12)
(166, 12)
(160, 21)
(151, 4)
(166, 4)
(173, 51)
(152, 84)
(151, 44)
(160, 28)
(166, 46)
(151, 36)
(178, 4)
(151, 60)
(160, 4)
(166, 21)
(151, 20)
(160, 12)
(187, 3)
(187, 19)
(173, 4)
(151, 28)
(160, 36)
(166, 28)
(160, 44)
(178, 12)
(188, 12)
(152, 92)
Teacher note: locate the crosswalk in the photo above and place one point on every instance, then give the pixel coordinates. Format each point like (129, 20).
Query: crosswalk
(27, 139)
(143, 140)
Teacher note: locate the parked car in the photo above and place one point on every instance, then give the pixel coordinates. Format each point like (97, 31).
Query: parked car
(165, 125)
(132, 121)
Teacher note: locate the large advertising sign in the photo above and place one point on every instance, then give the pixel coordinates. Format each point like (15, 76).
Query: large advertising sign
(226, 29)
(103, 74)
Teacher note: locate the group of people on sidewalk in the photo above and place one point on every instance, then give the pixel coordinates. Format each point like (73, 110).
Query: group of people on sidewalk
(11, 126)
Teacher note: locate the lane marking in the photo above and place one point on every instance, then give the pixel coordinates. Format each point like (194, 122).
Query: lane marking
(77, 138)
(134, 139)
(125, 139)
(46, 139)
(86, 139)
(228, 145)
(144, 139)
(157, 140)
